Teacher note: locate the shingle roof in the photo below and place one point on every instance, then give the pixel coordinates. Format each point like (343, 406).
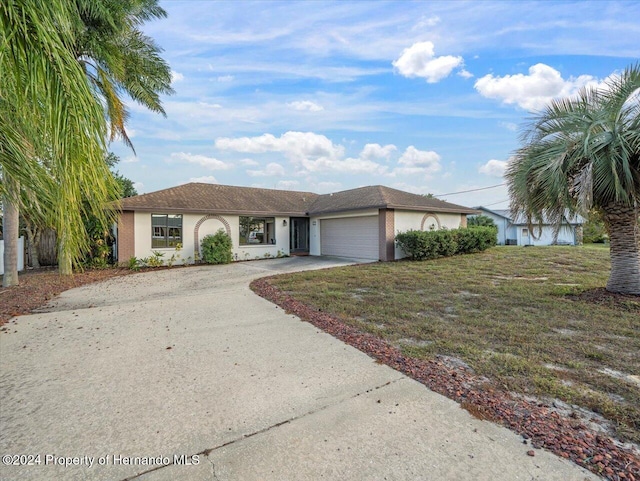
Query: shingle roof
(207, 198)
(381, 197)
(211, 198)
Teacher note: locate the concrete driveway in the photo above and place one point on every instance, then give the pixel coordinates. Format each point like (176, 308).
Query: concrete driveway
(188, 367)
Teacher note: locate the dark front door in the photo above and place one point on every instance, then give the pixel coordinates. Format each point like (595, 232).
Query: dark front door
(299, 235)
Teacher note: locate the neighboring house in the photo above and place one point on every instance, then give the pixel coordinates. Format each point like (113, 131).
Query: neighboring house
(515, 230)
(359, 223)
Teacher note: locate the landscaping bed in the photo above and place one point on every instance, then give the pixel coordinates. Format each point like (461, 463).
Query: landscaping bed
(524, 337)
(37, 287)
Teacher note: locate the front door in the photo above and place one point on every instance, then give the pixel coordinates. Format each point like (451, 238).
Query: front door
(299, 235)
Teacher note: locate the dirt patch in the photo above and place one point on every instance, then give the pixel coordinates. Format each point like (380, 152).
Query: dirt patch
(613, 300)
(538, 423)
(38, 287)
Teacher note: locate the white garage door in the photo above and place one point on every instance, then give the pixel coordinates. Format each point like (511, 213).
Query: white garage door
(350, 237)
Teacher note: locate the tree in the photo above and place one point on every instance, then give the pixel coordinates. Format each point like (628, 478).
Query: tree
(583, 153)
(480, 221)
(49, 117)
(64, 60)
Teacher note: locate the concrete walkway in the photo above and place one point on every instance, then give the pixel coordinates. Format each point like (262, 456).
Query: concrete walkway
(127, 374)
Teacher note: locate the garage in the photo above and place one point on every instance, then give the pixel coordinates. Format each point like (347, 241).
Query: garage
(350, 237)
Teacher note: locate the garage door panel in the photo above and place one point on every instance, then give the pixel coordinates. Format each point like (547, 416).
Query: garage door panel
(350, 237)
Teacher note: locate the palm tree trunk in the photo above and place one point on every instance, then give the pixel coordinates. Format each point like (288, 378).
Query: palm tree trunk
(621, 222)
(10, 224)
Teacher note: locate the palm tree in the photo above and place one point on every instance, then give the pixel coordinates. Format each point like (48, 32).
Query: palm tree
(582, 153)
(106, 55)
(48, 115)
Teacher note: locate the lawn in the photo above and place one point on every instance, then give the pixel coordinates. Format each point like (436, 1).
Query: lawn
(526, 318)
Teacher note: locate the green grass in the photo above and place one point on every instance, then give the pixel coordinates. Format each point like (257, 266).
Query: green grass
(510, 313)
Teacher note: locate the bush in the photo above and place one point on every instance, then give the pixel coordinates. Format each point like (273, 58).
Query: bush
(216, 249)
(421, 245)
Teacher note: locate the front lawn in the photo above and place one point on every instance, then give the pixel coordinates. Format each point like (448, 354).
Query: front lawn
(519, 316)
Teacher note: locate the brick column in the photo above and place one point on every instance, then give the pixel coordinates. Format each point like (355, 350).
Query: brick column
(126, 237)
(386, 236)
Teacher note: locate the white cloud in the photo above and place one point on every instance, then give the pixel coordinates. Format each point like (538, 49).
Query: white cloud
(494, 168)
(296, 145)
(305, 105)
(139, 186)
(426, 22)
(272, 169)
(206, 179)
(419, 60)
(208, 162)
(426, 160)
(347, 166)
(248, 162)
(176, 76)
(225, 78)
(377, 151)
(287, 184)
(325, 187)
(464, 73)
(509, 126)
(131, 159)
(535, 90)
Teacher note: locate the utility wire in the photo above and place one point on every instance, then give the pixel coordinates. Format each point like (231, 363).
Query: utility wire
(472, 190)
(495, 203)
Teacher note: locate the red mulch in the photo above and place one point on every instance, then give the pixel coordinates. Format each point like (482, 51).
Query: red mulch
(37, 287)
(535, 421)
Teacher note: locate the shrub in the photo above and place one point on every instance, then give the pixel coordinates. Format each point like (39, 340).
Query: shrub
(216, 248)
(421, 245)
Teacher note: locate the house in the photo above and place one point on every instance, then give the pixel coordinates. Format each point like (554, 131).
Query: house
(359, 223)
(515, 230)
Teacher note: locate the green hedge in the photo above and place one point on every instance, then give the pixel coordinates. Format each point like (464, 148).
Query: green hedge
(216, 249)
(420, 245)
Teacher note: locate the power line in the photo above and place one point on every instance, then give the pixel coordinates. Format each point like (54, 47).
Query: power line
(472, 190)
(495, 203)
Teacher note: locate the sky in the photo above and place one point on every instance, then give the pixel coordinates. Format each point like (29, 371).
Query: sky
(427, 96)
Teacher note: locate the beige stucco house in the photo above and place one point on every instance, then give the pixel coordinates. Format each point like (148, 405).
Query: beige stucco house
(359, 223)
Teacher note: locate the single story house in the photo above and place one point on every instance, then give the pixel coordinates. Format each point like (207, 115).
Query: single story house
(515, 230)
(359, 223)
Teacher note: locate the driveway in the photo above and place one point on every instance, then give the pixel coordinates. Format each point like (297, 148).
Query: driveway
(189, 367)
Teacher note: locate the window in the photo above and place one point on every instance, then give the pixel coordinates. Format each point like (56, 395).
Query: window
(525, 232)
(166, 230)
(257, 230)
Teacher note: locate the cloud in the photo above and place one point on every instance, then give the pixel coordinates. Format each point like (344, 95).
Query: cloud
(494, 168)
(131, 159)
(427, 161)
(305, 105)
(419, 60)
(464, 73)
(206, 179)
(509, 126)
(296, 145)
(376, 151)
(225, 78)
(347, 166)
(535, 90)
(139, 186)
(287, 184)
(272, 169)
(248, 162)
(176, 76)
(325, 187)
(208, 162)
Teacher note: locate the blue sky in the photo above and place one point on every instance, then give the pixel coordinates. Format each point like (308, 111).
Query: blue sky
(326, 96)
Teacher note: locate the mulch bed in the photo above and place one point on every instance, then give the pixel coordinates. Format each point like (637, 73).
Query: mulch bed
(39, 286)
(538, 424)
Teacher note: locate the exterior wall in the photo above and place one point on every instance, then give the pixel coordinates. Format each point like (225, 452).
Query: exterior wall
(209, 226)
(315, 248)
(567, 235)
(20, 255)
(386, 223)
(411, 220)
(505, 229)
(126, 236)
